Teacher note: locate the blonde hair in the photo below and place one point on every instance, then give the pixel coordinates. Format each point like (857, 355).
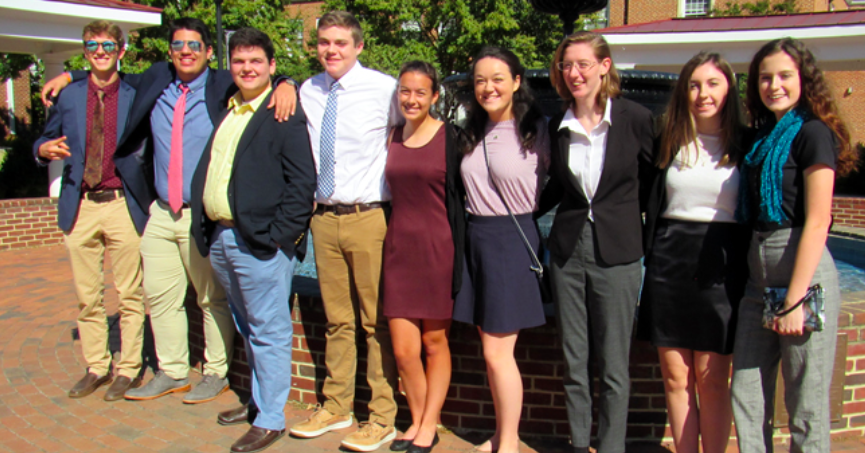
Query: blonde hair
(610, 83)
(98, 27)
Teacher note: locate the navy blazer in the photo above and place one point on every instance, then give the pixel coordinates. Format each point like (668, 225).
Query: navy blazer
(68, 116)
(271, 190)
(617, 202)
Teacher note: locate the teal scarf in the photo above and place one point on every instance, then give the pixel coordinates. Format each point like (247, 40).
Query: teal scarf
(768, 155)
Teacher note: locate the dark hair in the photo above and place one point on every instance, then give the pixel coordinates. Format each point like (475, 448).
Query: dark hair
(251, 37)
(343, 19)
(525, 109)
(421, 67)
(679, 129)
(816, 96)
(610, 83)
(191, 24)
(98, 27)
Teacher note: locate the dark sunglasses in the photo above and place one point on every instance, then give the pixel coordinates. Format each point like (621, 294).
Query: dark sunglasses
(177, 45)
(107, 46)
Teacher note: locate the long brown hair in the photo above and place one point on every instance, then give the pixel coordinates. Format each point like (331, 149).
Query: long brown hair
(816, 96)
(610, 83)
(679, 129)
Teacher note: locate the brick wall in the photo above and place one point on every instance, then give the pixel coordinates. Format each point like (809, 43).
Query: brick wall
(852, 323)
(21, 88)
(849, 211)
(28, 222)
(851, 106)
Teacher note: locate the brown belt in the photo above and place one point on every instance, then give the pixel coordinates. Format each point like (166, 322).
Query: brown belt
(104, 196)
(342, 209)
(226, 223)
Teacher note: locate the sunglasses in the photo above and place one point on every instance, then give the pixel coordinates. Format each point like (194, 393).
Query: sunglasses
(107, 46)
(178, 44)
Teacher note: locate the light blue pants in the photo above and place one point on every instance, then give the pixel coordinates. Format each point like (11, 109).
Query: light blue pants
(258, 294)
(806, 361)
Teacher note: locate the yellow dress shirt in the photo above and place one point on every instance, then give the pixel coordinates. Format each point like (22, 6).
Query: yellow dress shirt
(222, 155)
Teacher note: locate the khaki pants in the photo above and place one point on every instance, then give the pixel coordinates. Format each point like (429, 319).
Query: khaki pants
(348, 255)
(101, 227)
(171, 260)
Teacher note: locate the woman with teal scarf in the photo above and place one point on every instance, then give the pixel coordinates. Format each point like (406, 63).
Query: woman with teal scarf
(787, 179)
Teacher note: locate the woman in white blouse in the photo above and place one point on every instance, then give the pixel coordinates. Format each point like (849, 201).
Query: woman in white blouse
(696, 265)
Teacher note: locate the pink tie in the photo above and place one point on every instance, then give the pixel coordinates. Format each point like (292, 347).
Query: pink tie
(175, 165)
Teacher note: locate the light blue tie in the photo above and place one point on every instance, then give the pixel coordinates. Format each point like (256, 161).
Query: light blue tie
(327, 156)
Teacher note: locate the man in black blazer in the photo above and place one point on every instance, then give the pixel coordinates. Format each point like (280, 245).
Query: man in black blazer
(252, 199)
(175, 110)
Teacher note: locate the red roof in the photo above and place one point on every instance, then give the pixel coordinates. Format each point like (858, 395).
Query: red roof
(119, 4)
(709, 24)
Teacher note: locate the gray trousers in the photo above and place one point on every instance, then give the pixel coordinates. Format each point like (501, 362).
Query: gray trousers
(595, 305)
(806, 361)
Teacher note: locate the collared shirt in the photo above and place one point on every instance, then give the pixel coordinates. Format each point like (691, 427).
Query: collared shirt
(110, 177)
(197, 128)
(588, 150)
(366, 108)
(222, 154)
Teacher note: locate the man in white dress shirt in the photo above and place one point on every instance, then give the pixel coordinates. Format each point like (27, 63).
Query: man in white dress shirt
(349, 110)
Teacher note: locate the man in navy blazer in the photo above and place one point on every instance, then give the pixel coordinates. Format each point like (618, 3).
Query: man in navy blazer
(102, 206)
(253, 194)
(176, 107)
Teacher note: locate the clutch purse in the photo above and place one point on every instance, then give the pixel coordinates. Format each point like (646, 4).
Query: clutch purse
(812, 305)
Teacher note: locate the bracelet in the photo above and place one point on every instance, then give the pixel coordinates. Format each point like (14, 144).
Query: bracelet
(68, 76)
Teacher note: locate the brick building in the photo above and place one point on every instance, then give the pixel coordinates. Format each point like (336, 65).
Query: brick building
(14, 103)
(848, 86)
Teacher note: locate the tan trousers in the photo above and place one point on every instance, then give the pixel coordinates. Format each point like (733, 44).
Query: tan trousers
(101, 227)
(171, 260)
(348, 256)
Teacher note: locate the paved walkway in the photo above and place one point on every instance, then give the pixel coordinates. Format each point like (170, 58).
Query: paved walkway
(40, 359)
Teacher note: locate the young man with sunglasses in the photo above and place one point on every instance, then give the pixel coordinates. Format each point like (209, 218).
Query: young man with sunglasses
(102, 207)
(176, 108)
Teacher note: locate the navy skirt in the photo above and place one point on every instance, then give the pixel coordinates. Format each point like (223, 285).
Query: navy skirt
(694, 281)
(500, 292)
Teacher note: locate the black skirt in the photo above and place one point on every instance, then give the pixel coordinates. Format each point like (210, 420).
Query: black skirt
(694, 281)
(500, 292)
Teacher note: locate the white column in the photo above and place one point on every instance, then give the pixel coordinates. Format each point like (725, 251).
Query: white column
(53, 68)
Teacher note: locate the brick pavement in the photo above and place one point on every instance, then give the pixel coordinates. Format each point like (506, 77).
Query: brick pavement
(40, 359)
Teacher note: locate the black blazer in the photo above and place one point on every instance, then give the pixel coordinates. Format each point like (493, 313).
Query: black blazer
(616, 205)
(271, 190)
(148, 88)
(455, 201)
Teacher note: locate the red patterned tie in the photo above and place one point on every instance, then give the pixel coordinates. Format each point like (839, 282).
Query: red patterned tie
(175, 165)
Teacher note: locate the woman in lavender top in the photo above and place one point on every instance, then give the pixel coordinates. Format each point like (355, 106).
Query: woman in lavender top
(500, 293)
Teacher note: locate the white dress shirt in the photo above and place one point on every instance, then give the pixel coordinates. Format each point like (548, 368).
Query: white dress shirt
(366, 108)
(587, 151)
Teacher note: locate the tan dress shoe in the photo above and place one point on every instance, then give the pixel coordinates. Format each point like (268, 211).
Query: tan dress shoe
(88, 384)
(119, 387)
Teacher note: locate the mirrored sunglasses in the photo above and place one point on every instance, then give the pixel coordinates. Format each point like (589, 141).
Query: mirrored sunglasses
(107, 46)
(177, 45)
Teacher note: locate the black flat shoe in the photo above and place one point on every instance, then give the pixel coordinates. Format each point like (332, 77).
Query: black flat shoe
(416, 449)
(400, 444)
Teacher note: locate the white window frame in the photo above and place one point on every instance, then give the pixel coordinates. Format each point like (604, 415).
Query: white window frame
(682, 4)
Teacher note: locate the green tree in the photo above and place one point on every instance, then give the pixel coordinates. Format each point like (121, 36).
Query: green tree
(758, 8)
(448, 32)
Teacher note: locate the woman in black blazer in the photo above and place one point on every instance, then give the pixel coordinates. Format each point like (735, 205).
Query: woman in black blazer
(599, 145)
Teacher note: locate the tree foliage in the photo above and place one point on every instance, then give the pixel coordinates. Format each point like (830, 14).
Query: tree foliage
(758, 8)
(448, 32)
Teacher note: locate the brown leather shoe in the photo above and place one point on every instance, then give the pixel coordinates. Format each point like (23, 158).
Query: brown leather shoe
(88, 384)
(119, 387)
(256, 439)
(234, 416)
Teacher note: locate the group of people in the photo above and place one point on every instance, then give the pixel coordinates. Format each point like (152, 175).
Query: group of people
(416, 222)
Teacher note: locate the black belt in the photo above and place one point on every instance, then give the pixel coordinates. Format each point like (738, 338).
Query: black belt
(104, 196)
(342, 209)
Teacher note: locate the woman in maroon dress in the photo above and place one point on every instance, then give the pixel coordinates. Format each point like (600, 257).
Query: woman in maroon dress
(422, 251)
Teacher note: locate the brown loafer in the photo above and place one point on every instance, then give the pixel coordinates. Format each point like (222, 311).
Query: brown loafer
(256, 439)
(119, 387)
(88, 384)
(234, 416)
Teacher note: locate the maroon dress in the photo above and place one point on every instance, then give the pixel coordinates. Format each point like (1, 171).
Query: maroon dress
(418, 248)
